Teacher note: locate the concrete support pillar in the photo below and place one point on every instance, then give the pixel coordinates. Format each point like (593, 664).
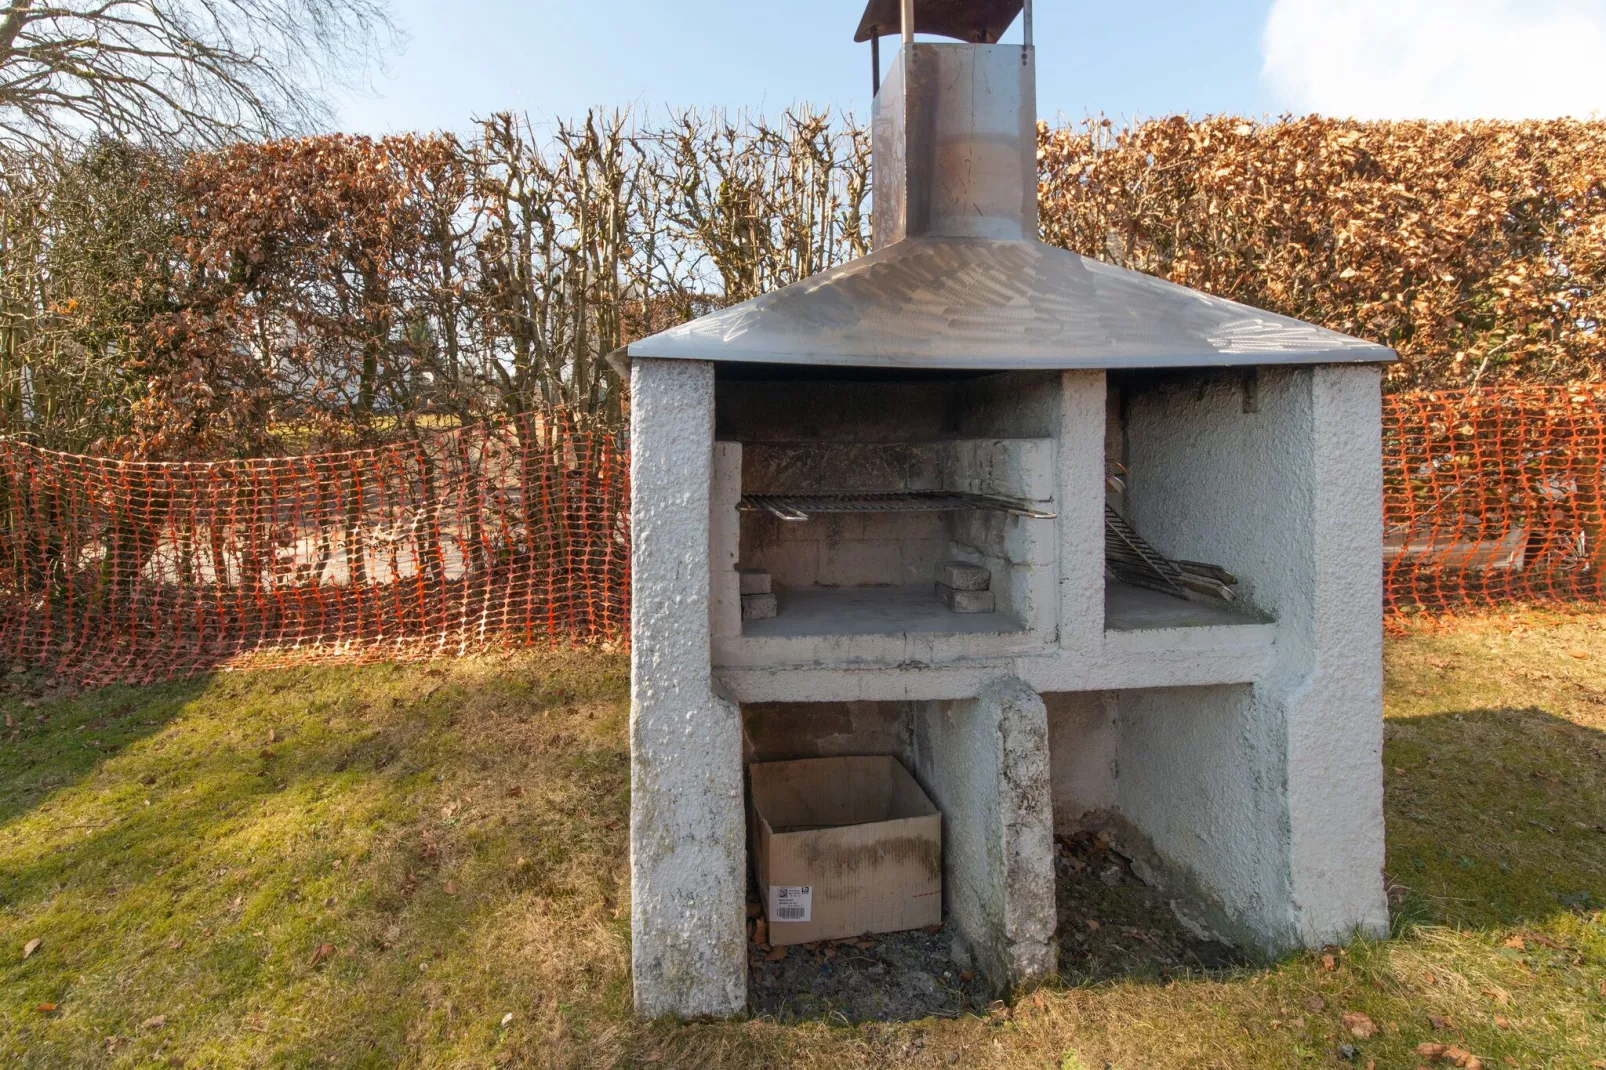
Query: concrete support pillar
(1081, 480)
(688, 849)
(984, 762)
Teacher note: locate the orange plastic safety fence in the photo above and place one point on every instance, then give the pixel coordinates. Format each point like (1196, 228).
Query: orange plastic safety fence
(487, 536)
(1491, 497)
(518, 534)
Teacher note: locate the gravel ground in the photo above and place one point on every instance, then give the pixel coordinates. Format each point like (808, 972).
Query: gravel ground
(889, 977)
(1112, 924)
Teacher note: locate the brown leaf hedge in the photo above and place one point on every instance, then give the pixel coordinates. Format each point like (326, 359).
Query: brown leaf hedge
(1476, 249)
(333, 291)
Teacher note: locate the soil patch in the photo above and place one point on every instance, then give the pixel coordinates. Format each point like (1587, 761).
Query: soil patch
(1116, 922)
(888, 977)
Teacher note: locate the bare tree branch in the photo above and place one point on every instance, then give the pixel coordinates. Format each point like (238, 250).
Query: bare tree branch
(179, 71)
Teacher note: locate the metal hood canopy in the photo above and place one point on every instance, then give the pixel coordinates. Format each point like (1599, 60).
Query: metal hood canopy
(958, 279)
(975, 303)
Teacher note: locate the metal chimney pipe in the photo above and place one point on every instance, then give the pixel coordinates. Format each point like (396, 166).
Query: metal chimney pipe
(1026, 24)
(908, 9)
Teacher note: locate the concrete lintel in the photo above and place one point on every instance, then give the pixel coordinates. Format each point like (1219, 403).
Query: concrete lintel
(1177, 658)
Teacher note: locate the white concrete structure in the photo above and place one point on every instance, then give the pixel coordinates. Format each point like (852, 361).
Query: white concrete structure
(1243, 741)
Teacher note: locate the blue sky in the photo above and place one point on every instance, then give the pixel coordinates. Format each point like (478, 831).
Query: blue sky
(1371, 58)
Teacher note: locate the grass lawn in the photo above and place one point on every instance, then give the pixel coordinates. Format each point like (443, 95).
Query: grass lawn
(397, 866)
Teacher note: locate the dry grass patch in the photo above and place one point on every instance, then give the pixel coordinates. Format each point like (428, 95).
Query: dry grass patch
(427, 866)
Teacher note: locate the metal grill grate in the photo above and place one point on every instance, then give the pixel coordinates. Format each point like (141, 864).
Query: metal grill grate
(1130, 559)
(803, 506)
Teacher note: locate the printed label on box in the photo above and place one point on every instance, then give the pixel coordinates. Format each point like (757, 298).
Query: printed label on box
(792, 903)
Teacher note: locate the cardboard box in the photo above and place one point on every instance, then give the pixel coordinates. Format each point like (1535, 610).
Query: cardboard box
(843, 847)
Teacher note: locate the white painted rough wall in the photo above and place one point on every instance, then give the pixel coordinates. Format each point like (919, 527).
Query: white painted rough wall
(1082, 754)
(1080, 575)
(1289, 498)
(687, 837)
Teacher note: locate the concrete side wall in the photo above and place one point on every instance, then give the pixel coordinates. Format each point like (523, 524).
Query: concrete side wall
(1082, 754)
(687, 838)
(1288, 497)
(1336, 806)
(984, 762)
(1201, 774)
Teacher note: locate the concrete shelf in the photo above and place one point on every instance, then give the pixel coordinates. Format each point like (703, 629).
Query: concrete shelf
(872, 611)
(1132, 609)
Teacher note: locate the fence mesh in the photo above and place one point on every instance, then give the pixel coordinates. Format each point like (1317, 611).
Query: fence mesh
(486, 536)
(1491, 497)
(517, 534)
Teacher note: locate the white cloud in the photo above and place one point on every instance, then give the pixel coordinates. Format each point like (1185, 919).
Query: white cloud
(1437, 59)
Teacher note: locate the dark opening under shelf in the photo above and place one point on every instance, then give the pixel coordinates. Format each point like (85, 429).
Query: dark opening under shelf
(803, 506)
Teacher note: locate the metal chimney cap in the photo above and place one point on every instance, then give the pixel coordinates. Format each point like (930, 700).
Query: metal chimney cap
(972, 21)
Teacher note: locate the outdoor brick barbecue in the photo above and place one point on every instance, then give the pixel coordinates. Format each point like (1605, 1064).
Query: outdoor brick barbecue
(1073, 543)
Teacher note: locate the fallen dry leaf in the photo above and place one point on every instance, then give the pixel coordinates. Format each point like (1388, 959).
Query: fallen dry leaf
(1359, 1025)
(1501, 1022)
(761, 932)
(1430, 1050)
(1501, 996)
(1429, 978)
(515, 792)
(1579, 654)
(451, 887)
(1329, 962)
(1440, 1023)
(46, 1008)
(31, 946)
(1516, 942)
(933, 929)
(776, 954)
(155, 1021)
(323, 952)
